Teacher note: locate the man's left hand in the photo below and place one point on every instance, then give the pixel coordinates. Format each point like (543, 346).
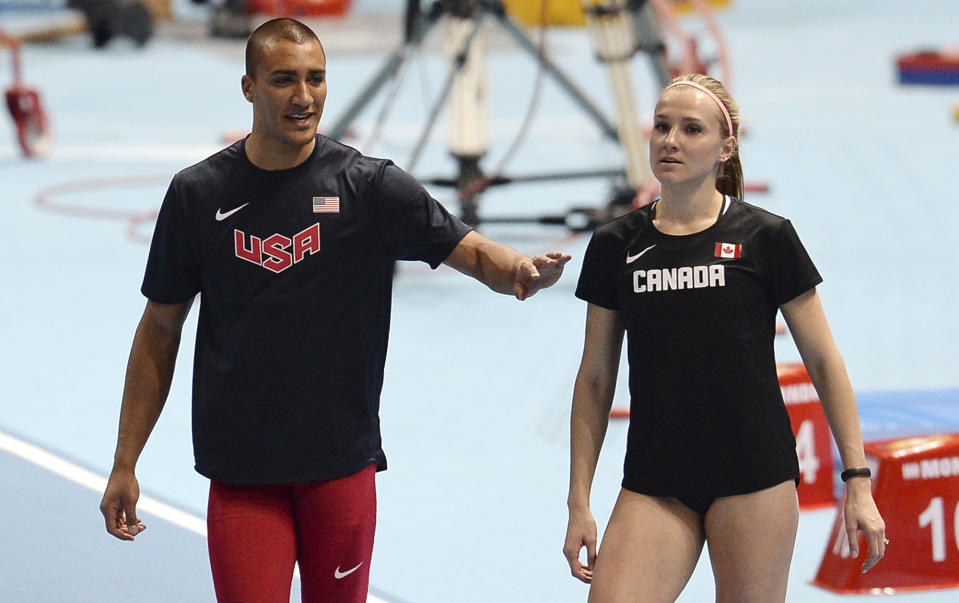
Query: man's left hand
(537, 273)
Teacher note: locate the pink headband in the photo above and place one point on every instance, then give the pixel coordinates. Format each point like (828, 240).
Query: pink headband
(710, 94)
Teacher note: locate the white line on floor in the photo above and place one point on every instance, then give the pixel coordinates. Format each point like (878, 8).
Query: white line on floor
(88, 479)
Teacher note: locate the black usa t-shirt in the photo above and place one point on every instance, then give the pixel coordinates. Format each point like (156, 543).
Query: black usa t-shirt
(700, 314)
(294, 270)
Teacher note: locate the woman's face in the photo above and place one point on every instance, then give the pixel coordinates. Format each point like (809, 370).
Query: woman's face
(687, 141)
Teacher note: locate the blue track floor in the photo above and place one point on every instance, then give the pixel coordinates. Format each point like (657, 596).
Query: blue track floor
(478, 386)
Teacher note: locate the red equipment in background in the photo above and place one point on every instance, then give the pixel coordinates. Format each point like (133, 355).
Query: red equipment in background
(33, 127)
(929, 67)
(916, 487)
(814, 445)
(302, 8)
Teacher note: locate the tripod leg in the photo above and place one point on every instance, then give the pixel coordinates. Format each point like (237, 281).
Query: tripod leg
(591, 109)
(610, 30)
(458, 62)
(366, 95)
(467, 116)
(417, 31)
(649, 40)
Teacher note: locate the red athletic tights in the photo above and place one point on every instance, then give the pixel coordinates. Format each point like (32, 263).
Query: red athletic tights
(257, 532)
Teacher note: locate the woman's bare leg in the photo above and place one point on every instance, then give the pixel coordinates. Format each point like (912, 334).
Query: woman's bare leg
(751, 539)
(648, 552)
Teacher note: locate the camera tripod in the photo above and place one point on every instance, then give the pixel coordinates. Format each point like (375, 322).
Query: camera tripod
(620, 28)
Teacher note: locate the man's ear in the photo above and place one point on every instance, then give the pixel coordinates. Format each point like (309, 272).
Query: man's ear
(246, 84)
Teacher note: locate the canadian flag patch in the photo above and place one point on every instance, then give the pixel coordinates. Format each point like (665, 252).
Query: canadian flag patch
(728, 250)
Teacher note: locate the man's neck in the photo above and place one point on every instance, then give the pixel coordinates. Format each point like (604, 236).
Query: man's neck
(274, 156)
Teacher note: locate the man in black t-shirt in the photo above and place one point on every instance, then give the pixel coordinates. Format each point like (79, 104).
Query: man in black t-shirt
(290, 239)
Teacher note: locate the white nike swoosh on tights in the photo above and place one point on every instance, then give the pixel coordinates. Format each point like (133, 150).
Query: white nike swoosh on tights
(632, 258)
(340, 575)
(220, 216)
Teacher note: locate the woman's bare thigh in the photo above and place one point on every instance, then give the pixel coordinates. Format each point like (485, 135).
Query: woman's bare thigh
(750, 540)
(648, 552)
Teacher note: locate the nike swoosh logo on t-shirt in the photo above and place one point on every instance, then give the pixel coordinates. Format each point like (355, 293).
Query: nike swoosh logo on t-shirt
(632, 258)
(220, 216)
(340, 575)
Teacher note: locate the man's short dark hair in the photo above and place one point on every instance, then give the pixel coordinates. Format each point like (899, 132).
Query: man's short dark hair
(275, 29)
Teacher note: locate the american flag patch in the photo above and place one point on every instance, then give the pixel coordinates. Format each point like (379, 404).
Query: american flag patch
(326, 205)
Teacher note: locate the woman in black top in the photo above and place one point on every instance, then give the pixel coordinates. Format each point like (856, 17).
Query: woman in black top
(696, 280)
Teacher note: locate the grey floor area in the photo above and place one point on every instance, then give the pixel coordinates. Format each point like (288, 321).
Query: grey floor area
(476, 401)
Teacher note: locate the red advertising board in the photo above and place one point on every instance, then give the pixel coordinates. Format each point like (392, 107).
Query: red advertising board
(916, 487)
(813, 439)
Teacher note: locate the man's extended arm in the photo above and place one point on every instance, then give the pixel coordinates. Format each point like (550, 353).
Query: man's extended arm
(148, 378)
(503, 269)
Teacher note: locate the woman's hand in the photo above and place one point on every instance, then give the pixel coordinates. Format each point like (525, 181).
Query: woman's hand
(581, 532)
(860, 513)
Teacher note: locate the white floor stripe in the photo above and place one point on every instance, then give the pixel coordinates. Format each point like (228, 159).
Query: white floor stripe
(133, 152)
(98, 483)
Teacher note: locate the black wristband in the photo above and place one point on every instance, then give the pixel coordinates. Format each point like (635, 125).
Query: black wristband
(857, 472)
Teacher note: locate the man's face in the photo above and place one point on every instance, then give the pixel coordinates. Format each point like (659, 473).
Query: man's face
(288, 90)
